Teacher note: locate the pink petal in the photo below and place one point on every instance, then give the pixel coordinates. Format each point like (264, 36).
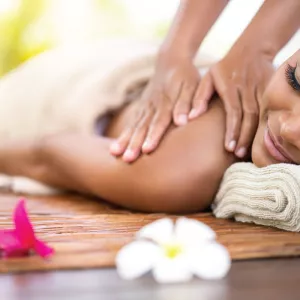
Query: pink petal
(19, 241)
(24, 229)
(10, 244)
(42, 248)
(9, 238)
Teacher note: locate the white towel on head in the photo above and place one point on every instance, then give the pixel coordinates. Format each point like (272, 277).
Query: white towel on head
(267, 196)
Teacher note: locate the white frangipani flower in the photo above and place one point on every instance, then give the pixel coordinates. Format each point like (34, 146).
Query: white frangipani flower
(174, 252)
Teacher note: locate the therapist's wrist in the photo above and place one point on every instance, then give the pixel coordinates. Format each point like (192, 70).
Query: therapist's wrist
(256, 46)
(181, 47)
(174, 54)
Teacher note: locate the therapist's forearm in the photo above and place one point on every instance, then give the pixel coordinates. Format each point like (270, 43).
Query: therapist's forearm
(193, 20)
(272, 27)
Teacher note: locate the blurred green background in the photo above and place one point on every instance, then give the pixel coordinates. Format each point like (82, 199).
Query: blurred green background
(28, 27)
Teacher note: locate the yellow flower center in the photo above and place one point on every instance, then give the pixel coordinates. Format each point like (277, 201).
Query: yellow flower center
(172, 250)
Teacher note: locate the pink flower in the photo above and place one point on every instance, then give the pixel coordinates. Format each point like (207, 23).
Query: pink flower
(21, 240)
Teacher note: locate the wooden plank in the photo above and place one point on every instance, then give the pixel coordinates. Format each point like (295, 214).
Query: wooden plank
(87, 233)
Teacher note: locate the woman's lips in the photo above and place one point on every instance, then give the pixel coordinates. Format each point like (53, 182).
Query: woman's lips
(274, 149)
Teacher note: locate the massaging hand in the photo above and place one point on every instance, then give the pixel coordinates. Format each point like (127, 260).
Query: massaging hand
(167, 98)
(239, 79)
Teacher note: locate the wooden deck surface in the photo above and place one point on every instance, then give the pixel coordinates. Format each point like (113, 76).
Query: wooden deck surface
(87, 233)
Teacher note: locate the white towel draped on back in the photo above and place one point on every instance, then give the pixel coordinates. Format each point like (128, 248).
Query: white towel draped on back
(68, 89)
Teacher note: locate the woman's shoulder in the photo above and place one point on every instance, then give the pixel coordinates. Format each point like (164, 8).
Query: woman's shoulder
(190, 160)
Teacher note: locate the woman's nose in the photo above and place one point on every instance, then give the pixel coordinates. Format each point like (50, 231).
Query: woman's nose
(290, 128)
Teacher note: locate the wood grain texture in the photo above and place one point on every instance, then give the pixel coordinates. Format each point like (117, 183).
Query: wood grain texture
(87, 233)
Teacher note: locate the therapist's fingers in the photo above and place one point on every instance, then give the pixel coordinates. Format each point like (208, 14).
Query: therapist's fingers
(234, 116)
(119, 146)
(137, 139)
(158, 127)
(203, 95)
(249, 122)
(184, 101)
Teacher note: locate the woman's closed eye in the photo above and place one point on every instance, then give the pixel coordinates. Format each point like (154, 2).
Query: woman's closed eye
(291, 78)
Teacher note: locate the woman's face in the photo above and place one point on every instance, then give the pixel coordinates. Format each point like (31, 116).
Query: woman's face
(277, 139)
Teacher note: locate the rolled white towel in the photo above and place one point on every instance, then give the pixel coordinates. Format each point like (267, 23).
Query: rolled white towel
(267, 196)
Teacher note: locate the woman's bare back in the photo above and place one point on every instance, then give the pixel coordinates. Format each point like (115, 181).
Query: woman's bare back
(181, 176)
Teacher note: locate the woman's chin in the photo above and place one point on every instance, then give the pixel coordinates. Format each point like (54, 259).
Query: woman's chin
(260, 163)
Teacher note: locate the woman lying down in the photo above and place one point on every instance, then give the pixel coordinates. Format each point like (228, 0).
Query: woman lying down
(48, 105)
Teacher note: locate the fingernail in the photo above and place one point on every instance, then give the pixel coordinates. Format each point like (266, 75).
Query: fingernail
(193, 113)
(241, 152)
(147, 145)
(129, 155)
(182, 119)
(231, 145)
(115, 147)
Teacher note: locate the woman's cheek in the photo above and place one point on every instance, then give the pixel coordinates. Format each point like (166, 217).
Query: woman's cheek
(276, 93)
